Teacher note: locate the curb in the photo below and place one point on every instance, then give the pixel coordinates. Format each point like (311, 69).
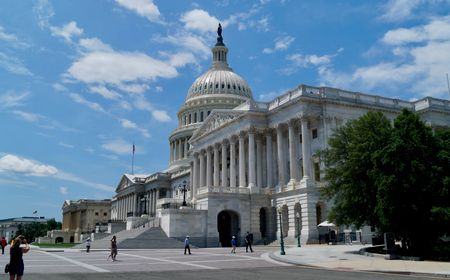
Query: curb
(273, 256)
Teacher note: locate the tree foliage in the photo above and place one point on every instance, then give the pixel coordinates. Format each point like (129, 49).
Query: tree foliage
(33, 230)
(395, 178)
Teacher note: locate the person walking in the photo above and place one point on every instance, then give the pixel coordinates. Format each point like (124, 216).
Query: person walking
(113, 249)
(233, 244)
(3, 243)
(16, 265)
(187, 245)
(248, 242)
(88, 244)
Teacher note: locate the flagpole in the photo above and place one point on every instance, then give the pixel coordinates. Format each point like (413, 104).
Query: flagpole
(132, 161)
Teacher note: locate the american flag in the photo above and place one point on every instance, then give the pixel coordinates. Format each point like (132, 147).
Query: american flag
(134, 148)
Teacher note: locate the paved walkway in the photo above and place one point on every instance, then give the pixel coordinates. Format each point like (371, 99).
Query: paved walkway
(346, 257)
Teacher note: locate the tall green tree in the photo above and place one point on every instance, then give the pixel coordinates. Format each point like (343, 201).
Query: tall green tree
(395, 178)
(350, 164)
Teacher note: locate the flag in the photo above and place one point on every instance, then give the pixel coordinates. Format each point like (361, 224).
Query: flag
(134, 148)
(35, 212)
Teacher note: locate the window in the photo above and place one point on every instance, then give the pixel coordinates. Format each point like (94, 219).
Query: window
(104, 214)
(300, 138)
(209, 112)
(190, 119)
(195, 117)
(314, 133)
(201, 116)
(96, 213)
(317, 171)
(223, 85)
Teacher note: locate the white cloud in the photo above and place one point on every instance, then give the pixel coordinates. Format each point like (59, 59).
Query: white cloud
(281, 43)
(144, 8)
(80, 99)
(398, 10)
(43, 11)
(67, 31)
(182, 59)
(303, 61)
(11, 39)
(133, 87)
(16, 164)
(63, 190)
(117, 68)
(13, 99)
(27, 116)
(271, 95)
(194, 43)
(13, 65)
(59, 87)
(127, 124)
(65, 145)
(104, 92)
(73, 178)
(161, 116)
(199, 20)
(118, 146)
(94, 45)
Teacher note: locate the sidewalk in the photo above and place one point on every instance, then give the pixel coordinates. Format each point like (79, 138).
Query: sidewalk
(346, 257)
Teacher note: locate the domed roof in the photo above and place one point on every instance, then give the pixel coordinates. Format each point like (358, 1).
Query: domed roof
(220, 78)
(220, 81)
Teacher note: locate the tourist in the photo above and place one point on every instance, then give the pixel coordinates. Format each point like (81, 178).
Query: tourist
(3, 243)
(88, 244)
(248, 242)
(233, 244)
(186, 245)
(113, 248)
(16, 266)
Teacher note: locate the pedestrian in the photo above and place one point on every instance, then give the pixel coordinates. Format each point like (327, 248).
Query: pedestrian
(88, 244)
(248, 242)
(233, 244)
(113, 253)
(186, 245)
(16, 265)
(3, 243)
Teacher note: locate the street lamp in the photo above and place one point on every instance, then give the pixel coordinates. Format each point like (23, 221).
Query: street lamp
(297, 216)
(282, 252)
(144, 199)
(184, 187)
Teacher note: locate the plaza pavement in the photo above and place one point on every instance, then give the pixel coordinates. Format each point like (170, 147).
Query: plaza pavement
(346, 257)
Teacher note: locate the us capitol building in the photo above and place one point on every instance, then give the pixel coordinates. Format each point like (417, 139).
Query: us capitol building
(244, 164)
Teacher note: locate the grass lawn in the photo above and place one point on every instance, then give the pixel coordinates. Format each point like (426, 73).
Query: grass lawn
(59, 245)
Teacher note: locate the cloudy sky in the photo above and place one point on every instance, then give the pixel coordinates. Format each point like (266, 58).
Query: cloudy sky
(81, 80)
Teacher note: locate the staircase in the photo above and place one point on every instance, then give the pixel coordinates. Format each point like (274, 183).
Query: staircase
(138, 238)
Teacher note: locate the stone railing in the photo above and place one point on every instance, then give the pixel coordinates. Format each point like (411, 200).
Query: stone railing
(223, 190)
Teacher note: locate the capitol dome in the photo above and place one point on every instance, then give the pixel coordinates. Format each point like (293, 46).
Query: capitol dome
(220, 78)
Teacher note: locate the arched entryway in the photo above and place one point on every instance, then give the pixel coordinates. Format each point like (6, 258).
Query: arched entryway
(263, 223)
(227, 226)
(59, 239)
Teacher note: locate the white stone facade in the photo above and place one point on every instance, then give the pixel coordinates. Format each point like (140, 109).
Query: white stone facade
(248, 163)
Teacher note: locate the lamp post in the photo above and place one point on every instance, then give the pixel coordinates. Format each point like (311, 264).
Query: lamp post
(144, 199)
(184, 187)
(297, 216)
(282, 252)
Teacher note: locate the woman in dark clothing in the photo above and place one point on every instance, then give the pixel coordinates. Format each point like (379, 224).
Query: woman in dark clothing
(16, 266)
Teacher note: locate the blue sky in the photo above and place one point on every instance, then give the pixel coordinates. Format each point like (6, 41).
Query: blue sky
(81, 80)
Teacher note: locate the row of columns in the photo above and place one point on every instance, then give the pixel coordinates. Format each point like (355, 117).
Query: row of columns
(208, 173)
(131, 203)
(179, 149)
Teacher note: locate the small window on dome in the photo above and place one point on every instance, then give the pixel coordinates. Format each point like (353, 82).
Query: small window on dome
(223, 85)
(210, 85)
(228, 86)
(243, 89)
(234, 87)
(239, 87)
(205, 86)
(217, 85)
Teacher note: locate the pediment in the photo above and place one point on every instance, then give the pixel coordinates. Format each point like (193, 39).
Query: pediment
(216, 120)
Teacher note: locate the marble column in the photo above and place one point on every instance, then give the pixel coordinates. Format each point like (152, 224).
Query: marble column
(259, 162)
(293, 153)
(171, 151)
(209, 166)
(202, 169)
(232, 163)
(306, 153)
(242, 180)
(195, 184)
(224, 164)
(269, 171)
(216, 166)
(179, 149)
(186, 145)
(251, 159)
(281, 161)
